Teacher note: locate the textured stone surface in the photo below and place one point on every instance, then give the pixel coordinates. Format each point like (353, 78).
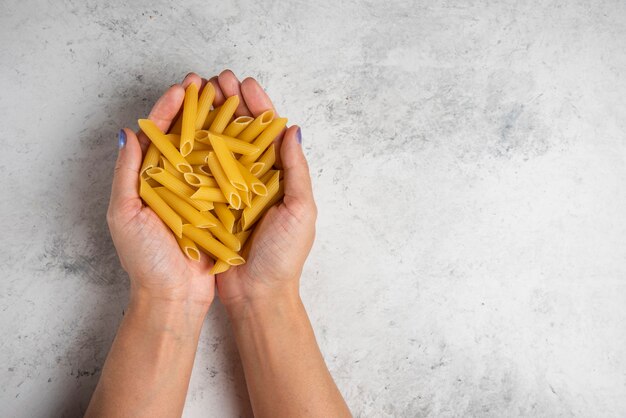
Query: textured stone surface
(468, 159)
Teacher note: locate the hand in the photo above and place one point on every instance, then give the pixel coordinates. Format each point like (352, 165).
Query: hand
(281, 242)
(148, 251)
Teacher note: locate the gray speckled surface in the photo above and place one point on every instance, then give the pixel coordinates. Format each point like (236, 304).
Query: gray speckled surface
(469, 166)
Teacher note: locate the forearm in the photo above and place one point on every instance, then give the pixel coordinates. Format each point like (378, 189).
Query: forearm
(285, 372)
(149, 365)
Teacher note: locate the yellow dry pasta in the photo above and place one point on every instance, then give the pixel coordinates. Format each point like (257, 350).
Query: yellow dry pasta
(204, 105)
(201, 169)
(257, 126)
(205, 240)
(254, 184)
(198, 157)
(212, 194)
(226, 112)
(235, 145)
(199, 180)
(184, 209)
(164, 145)
(252, 214)
(151, 159)
(224, 215)
(229, 191)
(221, 266)
(167, 166)
(228, 163)
(189, 248)
(210, 117)
(264, 140)
(178, 187)
(264, 163)
(190, 112)
(239, 124)
(166, 213)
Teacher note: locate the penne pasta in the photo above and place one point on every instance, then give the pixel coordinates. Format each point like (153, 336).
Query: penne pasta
(199, 180)
(189, 248)
(175, 128)
(212, 194)
(190, 111)
(257, 126)
(226, 112)
(184, 209)
(201, 169)
(221, 266)
(174, 139)
(197, 157)
(235, 145)
(229, 191)
(239, 124)
(211, 117)
(205, 240)
(164, 145)
(228, 162)
(225, 216)
(264, 163)
(167, 166)
(163, 211)
(254, 184)
(252, 214)
(150, 160)
(178, 187)
(264, 140)
(204, 104)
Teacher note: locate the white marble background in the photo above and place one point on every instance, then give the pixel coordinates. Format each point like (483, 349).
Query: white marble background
(469, 166)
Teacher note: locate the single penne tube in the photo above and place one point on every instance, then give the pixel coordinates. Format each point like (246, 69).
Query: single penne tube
(197, 157)
(227, 110)
(174, 139)
(212, 194)
(163, 211)
(151, 159)
(167, 166)
(204, 104)
(179, 188)
(211, 117)
(222, 234)
(264, 140)
(265, 178)
(199, 146)
(256, 126)
(252, 214)
(164, 145)
(152, 182)
(220, 266)
(190, 111)
(235, 145)
(199, 180)
(254, 184)
(205, 240)
(228, 162)
(189, 248)
(239, 124)
(184, 209)
(224, 215)
(264, 163)
(223, 182)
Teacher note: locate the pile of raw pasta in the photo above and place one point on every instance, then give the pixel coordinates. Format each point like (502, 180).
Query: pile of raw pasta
(212, 177)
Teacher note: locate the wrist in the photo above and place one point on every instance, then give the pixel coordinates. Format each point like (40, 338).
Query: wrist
(180, 317)
(270, 305)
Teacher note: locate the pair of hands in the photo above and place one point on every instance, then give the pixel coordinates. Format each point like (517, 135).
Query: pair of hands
(276, 252)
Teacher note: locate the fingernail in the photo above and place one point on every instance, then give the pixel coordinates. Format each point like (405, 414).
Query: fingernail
(299, 136)
(121, 139)
(188, 74)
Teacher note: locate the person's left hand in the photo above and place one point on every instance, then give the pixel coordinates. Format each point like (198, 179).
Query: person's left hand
(147, 249)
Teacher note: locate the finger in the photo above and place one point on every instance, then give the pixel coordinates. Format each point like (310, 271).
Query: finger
(255, 97)
(219, 96)
(192, 78)
(164, 111)
(125, 200)
(298, 188)
(231, 87)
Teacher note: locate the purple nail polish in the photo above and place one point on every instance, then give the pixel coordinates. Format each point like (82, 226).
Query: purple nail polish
(299, 136)
(121, 139)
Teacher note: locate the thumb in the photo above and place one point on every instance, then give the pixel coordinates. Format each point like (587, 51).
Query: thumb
(297, 178)
(125, 189)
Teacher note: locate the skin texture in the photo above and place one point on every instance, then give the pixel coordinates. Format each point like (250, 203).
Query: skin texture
(149, 365)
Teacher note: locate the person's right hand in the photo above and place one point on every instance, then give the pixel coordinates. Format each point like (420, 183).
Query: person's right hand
(282, 240)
